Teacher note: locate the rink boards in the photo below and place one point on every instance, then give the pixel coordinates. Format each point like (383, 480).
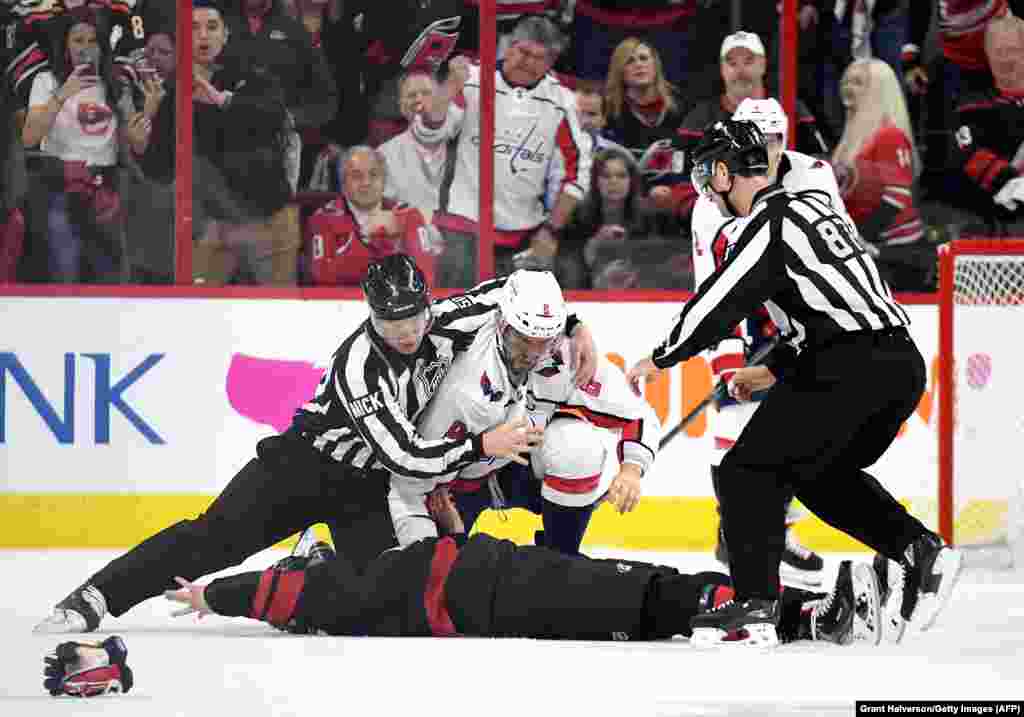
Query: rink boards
(122, 415)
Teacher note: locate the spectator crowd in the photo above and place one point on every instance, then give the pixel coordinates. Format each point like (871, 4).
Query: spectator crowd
(331, 132)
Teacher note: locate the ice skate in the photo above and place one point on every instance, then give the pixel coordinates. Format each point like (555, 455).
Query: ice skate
(852, 611)
(932, 569)
(737, 623)
(891, 582)
(81, 611)
(800, 566)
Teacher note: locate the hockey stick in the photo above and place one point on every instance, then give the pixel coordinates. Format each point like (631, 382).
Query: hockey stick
(719, 393)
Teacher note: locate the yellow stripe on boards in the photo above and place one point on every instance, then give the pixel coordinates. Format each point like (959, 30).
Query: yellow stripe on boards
(121, 521)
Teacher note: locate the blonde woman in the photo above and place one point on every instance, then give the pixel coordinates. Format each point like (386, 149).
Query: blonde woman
(876, 160)
(643, 108)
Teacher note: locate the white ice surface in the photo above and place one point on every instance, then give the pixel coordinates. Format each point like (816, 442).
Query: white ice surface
(240, 668)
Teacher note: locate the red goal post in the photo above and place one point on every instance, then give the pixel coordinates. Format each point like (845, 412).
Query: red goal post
(981, 298)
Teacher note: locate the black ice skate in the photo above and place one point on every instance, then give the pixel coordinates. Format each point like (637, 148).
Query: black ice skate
(800, 566)
(81, 611)
(932, 569)
(852, 611)
(750, 622)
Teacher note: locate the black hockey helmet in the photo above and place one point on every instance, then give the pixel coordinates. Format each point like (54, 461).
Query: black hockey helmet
(737, 143)
(395, 288)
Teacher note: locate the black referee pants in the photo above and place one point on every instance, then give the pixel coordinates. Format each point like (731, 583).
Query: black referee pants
(814, 435)
(284, 490)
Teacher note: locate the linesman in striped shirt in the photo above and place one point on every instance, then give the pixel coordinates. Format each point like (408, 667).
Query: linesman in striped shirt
(333, 465)
(845, 379)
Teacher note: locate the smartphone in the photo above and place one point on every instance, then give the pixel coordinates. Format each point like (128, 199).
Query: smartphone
(90, 58)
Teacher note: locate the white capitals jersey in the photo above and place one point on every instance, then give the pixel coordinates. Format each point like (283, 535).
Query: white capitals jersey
(477, 394)
(537, 142)
(797, 173)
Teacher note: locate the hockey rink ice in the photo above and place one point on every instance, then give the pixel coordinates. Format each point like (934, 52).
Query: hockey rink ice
(239, 668)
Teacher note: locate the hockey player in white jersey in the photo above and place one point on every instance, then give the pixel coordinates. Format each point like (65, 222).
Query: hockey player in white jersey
(518, 366)
(712, 235)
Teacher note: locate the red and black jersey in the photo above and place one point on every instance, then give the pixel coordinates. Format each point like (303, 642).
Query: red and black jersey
(884, 172)
(340, 249)
(962, 26)
(481, 586)
(990, 140)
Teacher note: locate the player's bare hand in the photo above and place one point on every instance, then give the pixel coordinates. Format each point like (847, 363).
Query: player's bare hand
(442, 509)
(624, 492)
(191, 595)
(748, 380)
(511, 439)
(642, 372)
(583, 355)
(917, 80)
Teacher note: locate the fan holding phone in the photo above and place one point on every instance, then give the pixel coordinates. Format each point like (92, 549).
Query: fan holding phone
(72, 118)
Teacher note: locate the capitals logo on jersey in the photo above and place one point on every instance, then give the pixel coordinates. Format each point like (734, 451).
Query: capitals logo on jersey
(488, 388)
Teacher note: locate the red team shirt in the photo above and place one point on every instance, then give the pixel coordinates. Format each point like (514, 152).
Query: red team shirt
(884, 172)
(339, 251)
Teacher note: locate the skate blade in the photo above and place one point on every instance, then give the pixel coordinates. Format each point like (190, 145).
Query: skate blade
(947, 565)
(758, 636)
(796, 578)
(895, 627)
(62, 622)
(868, 621)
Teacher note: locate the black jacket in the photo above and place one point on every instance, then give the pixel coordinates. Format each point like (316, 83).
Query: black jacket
(283, 47)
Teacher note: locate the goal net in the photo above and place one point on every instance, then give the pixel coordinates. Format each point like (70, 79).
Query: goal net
(981, 410)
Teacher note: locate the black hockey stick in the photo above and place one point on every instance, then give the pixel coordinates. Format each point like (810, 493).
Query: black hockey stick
(719, 393)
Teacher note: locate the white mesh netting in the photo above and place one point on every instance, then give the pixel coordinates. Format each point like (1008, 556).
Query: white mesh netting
(988, 435)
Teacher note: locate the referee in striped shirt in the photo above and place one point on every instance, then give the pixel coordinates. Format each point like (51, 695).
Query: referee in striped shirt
(845, 379)
(335, 462)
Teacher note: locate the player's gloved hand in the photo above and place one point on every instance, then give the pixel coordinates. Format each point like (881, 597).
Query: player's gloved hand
(88, 669)
(1011, 193)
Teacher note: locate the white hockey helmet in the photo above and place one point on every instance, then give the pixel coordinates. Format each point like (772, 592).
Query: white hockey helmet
(533, 304)
(767, 114)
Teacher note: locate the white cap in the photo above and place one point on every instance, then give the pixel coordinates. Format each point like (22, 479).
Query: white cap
(749, 40)
(533, 304)
(767, 114)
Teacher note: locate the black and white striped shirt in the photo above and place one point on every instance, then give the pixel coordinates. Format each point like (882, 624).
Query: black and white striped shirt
(364, 412)
(802, 261)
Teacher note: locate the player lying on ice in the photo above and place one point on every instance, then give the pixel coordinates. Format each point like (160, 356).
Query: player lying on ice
(485, 587)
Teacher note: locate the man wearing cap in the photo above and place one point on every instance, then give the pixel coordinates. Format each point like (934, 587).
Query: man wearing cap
(743, 67)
